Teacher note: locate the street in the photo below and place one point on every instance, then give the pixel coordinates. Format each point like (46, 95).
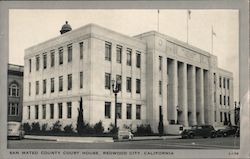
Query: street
(201, 143)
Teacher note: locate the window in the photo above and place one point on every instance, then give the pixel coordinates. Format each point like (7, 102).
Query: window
(44, 111)
(160, 87)
(119, 54)
(44, 61)
(52, 58)
(220, 82)
(37, 62)
(129, 53)
(60, 83)
(224, 100)
(29, 65)
(29, 88)
(13, 109)
(69, 81)
(60, 110)
(36, 111)
(81, 79)
(214, 78)
(138, 86)
(69, 109)
(44, 86)
(69, 53)
(220, 100)
(128, 84)
(220, 116)
(228, 100)
(228, 84)
(129, 111)
(107, 80)
(60, 56)
(138, 111)
(51, 111)
(13, 90)
(160, 62)
(107, 110)
(28, 112)
(81, 50)
(215, 116)
(52, 85)
(119, 110)
(119, 86)
(108, 51)
(224, 83)
(37, 87)
(138, 59)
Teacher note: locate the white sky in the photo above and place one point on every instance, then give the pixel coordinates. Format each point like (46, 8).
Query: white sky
(30, 27)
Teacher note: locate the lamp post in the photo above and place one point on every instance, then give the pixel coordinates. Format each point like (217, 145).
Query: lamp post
(177, 109)
(116, 89)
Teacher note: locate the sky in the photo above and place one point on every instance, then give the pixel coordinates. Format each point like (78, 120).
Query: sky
(28, 27)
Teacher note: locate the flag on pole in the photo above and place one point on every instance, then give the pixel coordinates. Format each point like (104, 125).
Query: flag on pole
(189, 14)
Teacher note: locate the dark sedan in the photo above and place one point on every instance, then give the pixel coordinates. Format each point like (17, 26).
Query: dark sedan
(199, 131)
(229, 130)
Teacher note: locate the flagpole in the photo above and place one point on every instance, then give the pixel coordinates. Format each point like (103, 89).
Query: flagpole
(188, 17)
(212, 45)
(158, 26)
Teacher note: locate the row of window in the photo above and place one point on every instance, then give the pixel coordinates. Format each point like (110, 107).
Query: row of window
(224, 82)
(227, 117)
(107, 111)
(128, 83)
(13, 109)
(228, 100)
(52, 57)
(108, 54)
(60, 86)
(51, 111)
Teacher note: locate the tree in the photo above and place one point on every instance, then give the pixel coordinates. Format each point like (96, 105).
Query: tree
(160, 126)
(80, 123)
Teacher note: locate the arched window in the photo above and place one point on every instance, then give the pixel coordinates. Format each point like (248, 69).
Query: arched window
(13, 90)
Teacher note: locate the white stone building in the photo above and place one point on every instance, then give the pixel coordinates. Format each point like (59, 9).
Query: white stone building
(158, 74)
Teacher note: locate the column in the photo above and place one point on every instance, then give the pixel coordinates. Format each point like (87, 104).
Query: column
(200, 96)
(164, 93)
(175, 91)
(192, 95)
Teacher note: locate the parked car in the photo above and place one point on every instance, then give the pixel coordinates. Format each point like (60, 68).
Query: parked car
(199, 131)
(229, 130)
(125, 134)
(15, 130)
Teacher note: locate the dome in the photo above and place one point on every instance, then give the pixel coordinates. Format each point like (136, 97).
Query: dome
(65, 28)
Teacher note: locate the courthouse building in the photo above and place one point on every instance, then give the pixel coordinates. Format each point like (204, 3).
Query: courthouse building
(159, 75)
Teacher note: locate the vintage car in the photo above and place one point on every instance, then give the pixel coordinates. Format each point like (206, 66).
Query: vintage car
(229, 130)
(199, 131)
(15, 130)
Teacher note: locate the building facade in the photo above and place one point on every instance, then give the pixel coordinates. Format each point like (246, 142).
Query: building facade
(158, 74)
(15, 92)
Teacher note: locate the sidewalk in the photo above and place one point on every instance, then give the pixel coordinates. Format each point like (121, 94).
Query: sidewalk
(95, 139)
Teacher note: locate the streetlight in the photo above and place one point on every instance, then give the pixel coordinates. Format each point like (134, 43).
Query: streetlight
(116, 88)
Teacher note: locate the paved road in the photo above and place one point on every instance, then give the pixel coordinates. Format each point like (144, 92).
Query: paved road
(215, 143)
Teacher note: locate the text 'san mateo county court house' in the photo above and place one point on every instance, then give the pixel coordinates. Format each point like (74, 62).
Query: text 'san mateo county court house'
(159, 75)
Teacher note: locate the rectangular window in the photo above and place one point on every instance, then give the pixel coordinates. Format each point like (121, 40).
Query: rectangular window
(69, 109)
(108, 51)
(228, 84)
(128, 84)
(13, 109)
(107, 80)
(51, 111)
(220, 100)
(36, 111)
(60, 83)
(52, 85)
(44, 111)
(44, 61)
(215, 79)
(28, 112)
(81, 50)
(119, 54)
(119, 78)
(138, 59)
(129, 54)
(37, 87)
(224, 83)
(138, 86)
(160, 87)
(52, 58)
(69, 81)
(81, 79)
(44, 86)
(29, 65)
(138, 111)
(220, 116)
(215, 115)
(60, 56)
(228, 101)
(220, 82)
(69, 53)
(107, 110)
(129, 111)
(60, 110)
(29, 88)
(119, 110)
(224, 100)
(37, 62)
(160, 62)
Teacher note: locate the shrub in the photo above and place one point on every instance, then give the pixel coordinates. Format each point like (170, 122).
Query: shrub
(69, 129)
(56, 127)
(35, 127)
(44, 127)
(99, 129)
(88, 129)
(26, 127)
(113, 129)
(144, 130)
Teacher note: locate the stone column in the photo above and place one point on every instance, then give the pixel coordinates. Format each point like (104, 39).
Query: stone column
(200, 96)
(192, 95)
(175, 90)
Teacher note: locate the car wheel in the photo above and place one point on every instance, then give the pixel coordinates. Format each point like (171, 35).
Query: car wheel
(191, 136)
(225, 134)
